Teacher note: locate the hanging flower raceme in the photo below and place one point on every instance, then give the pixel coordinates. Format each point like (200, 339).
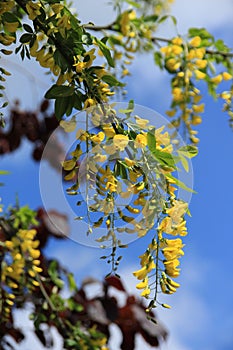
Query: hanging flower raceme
(122, 176)
(189, 62)
(20, 265)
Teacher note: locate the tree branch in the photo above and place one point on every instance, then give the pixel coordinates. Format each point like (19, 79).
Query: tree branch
(156, 39)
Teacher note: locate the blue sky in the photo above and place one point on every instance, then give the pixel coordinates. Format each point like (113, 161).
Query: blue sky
(201, 316)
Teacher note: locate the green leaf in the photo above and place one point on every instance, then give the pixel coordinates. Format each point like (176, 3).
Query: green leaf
(105, 51)
(128, 112)
(53, 273)
(164, 18)
(123, 171)
(18, 48)
(71, 282)
(60, 60)
(22, 53)
(25, 38)
(151, 142)
(111, 80)
(9, 17)
(180, 183)
(201, 32)
(220, 46)
(184, 161)
(133, 3)
(27, 28)
(158, 58)
(164, 158)
(188, 151)
(152, 18)
(61, 105)
(59, 91)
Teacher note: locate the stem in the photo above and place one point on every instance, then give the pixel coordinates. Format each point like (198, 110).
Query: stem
(156, 39)
(45, 294)
(50, 303)
(99, 28)
(87, 179)
(157, 268)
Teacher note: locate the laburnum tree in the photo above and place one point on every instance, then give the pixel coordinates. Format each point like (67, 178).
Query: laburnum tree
(116, 154)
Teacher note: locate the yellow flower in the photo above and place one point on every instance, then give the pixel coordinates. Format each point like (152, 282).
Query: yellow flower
(177, 243)
(141, 140)
(57, 8)
(98, 138)
(177, 211)
(197, 98)
(137, 187)
(172, 64)
(199, 53)
(146, 292)
(166, 50)
(201, 63)
(226, 95)
(11, 27)
(143, 272)
(199, 108)
(162, 139)
(34, 48)
(6, 39)
(176, 49)
(120, 141)
(226, 76)
(35, 253)
(217, 79)
(177, 94)
(79, 66)
(166, 225)
(91, 56)
(125, 72)
(199, 74)
(177, 41)
(89, 103)
(6, 6)
(171, 113)
(64, 23)
(145, 257)
(33, 9)
(35, 283)
(81, 135)
(100, 158)
(109, 130)
(171, 253)
(9, 244)
(195, 42)
(129, 162)
(141, 122)
(143, 284)
(196, 120)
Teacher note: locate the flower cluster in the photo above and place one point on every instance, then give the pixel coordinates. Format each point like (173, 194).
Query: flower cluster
(20, 266)
(129, 167)
(189, 61)
(162, 255)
